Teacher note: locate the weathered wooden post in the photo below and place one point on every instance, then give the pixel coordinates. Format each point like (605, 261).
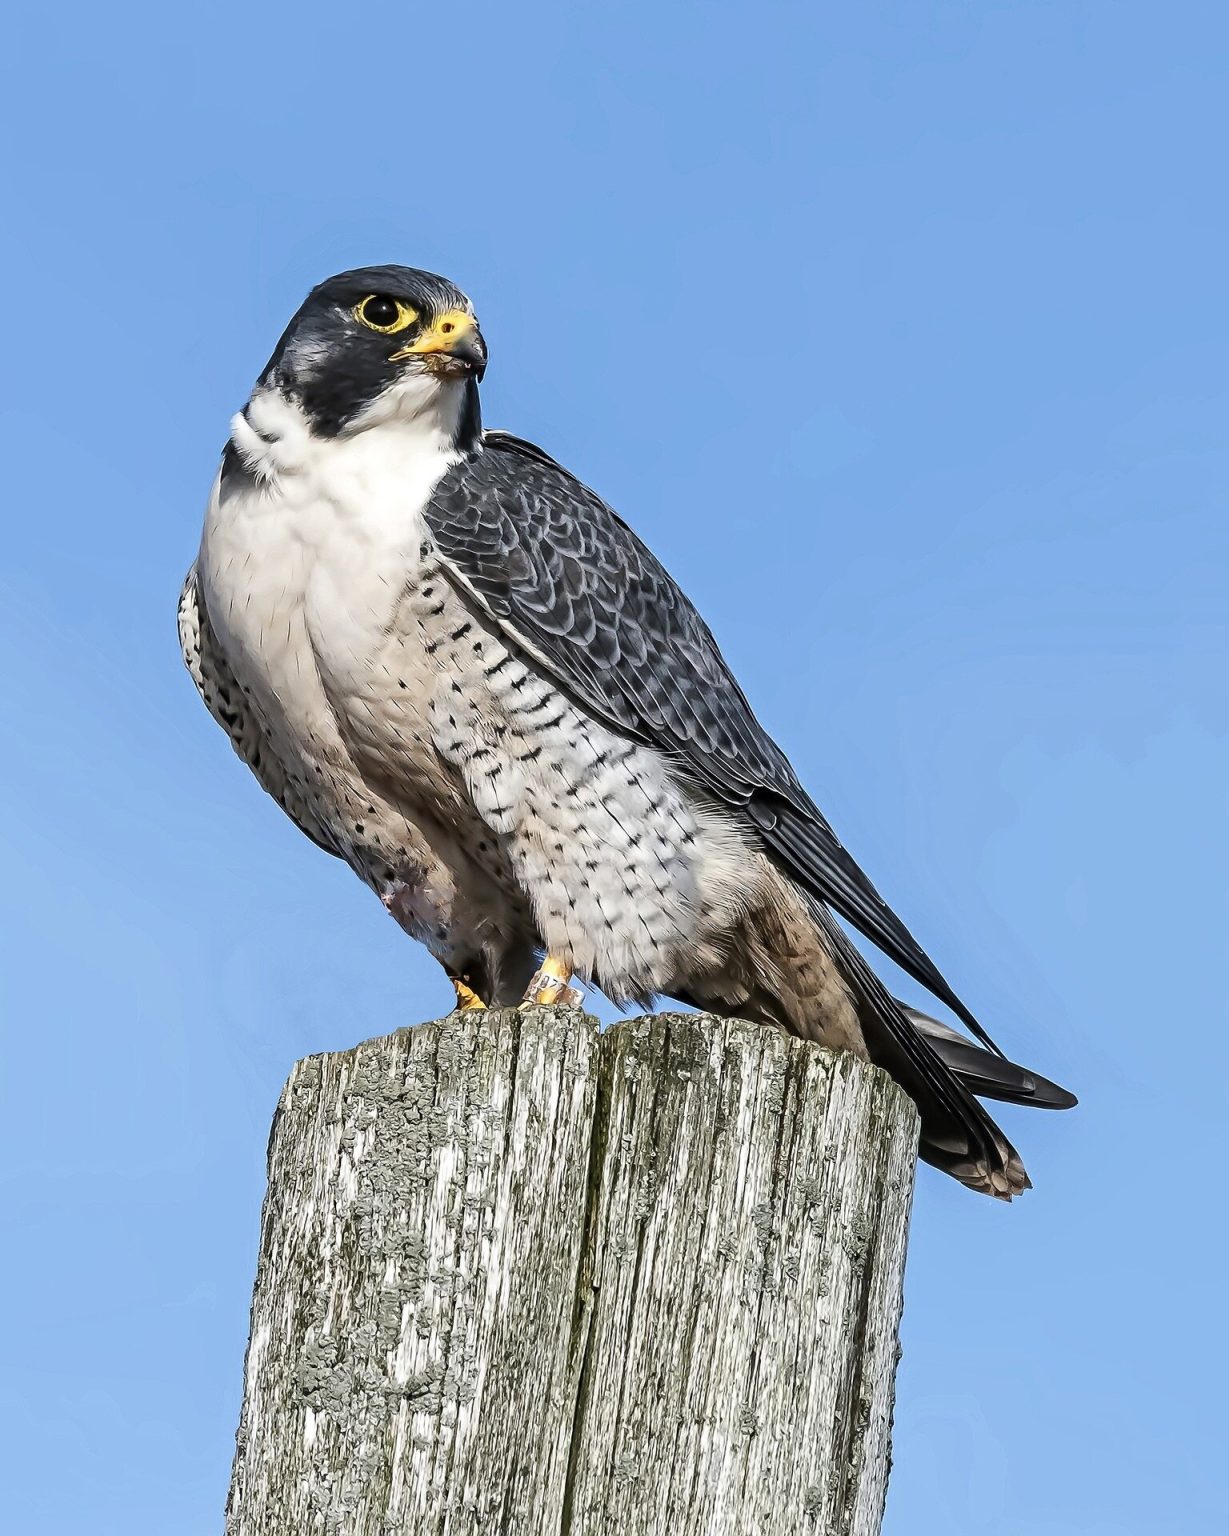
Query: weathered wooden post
(520, 1277)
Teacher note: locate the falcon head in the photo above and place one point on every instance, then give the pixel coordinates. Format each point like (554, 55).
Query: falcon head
(379, 343)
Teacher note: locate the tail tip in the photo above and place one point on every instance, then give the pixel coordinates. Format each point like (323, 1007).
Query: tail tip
(1002, 1176)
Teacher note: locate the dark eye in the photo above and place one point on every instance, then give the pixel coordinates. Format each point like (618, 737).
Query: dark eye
(380, 313)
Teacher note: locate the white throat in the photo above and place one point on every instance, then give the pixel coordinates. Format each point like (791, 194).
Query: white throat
(305, 557)
(417, 418)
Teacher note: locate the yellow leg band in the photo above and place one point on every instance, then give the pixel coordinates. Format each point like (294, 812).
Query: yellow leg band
(549, 986)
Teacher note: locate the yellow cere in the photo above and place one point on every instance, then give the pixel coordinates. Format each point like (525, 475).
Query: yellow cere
(451, 327)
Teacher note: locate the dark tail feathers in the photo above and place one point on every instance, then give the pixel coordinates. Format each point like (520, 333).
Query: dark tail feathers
(941, 1071)
(985, 1074)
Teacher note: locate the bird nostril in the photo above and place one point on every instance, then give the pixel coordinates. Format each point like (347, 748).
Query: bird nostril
(447, 327)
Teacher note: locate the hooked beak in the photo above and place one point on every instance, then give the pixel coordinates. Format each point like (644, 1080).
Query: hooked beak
(452, 347)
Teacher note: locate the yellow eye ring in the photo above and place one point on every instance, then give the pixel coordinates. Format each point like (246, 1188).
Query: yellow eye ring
(387, 316)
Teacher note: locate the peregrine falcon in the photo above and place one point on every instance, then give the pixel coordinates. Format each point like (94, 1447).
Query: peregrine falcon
(459, 671)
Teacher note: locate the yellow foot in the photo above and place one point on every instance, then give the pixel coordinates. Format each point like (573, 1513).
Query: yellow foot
(549, 986)
(466, 996)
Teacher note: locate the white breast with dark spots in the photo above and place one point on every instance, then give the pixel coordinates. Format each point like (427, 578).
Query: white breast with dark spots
(301, 569)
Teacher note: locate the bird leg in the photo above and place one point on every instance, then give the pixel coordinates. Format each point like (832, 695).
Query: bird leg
(549, 985)
(467, 998)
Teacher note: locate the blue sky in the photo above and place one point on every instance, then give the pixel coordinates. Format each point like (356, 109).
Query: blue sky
(900, 331)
